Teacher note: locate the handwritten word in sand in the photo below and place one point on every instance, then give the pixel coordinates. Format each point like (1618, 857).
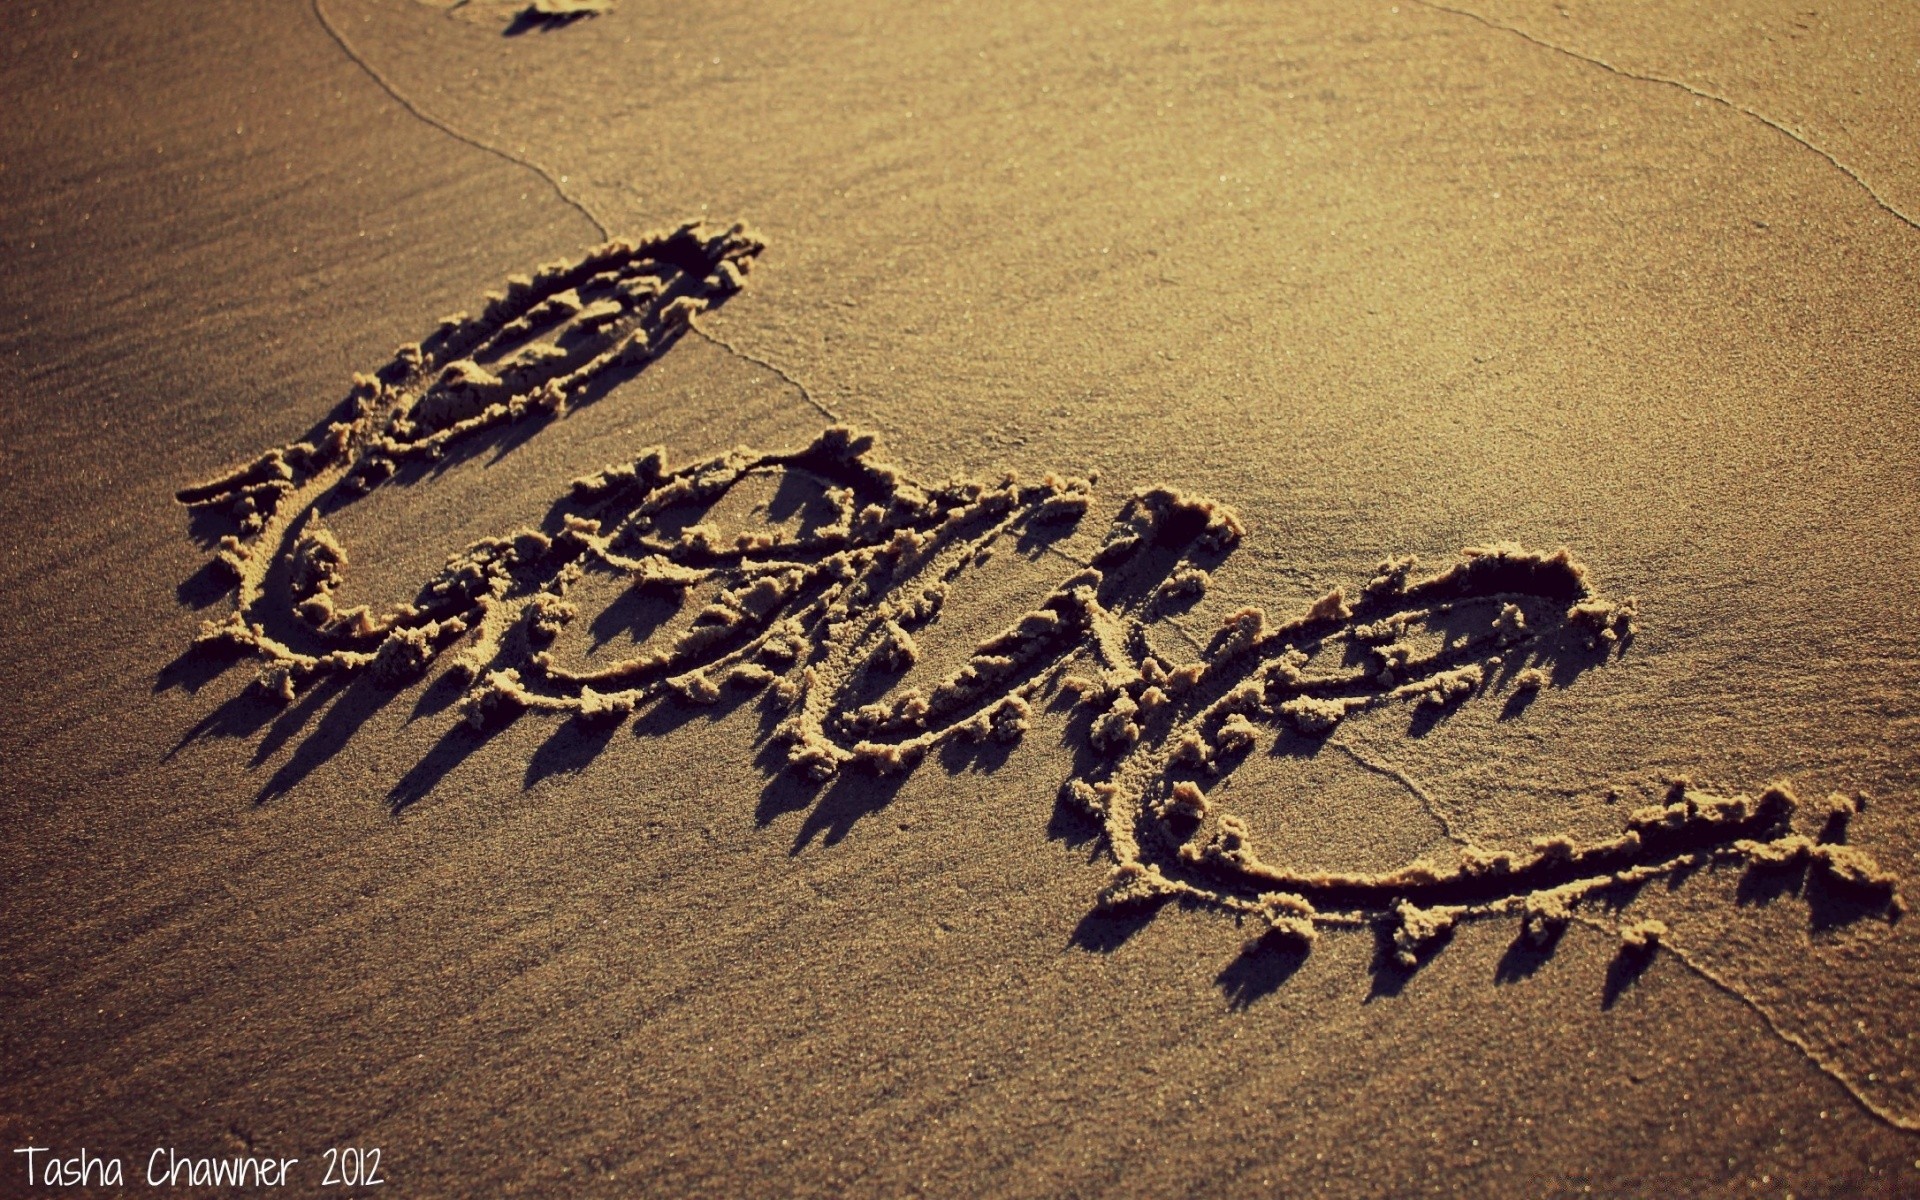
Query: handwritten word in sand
(822, 619)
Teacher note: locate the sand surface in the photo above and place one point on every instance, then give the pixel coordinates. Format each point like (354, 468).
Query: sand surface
(1376, 279)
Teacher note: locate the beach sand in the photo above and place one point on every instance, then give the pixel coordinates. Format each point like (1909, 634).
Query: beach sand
(1347, 282)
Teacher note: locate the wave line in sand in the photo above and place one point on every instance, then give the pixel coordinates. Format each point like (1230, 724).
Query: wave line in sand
(386, 85)
(1690, 89)
(554, 181)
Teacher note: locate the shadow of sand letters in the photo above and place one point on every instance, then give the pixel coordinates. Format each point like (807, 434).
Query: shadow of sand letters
(816, 615)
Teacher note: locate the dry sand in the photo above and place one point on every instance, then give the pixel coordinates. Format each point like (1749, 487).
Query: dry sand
(915, 803)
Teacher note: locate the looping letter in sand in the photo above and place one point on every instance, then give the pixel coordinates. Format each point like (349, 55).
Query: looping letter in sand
(822, 618)
(1172, 733)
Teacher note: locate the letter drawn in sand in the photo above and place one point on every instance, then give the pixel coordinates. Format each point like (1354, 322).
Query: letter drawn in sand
(816, 618)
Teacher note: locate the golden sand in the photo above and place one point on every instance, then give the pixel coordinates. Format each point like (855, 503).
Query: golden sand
(969, 682)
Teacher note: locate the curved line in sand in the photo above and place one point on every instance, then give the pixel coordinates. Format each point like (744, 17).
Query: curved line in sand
(1700, 93)
(386, 85)
(551, 178)
(1908, 1122)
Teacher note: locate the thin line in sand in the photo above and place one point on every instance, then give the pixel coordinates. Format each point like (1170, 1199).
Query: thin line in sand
(1380, 767)
(1692, 90)
(1814, 1058)
(373, 73)
(806, 393)
(1186, 635)
(552, 180)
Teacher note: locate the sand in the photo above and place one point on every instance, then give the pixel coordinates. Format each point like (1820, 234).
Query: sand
(998, 600)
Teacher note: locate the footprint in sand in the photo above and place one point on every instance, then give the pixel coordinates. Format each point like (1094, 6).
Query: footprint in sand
(823, 618)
